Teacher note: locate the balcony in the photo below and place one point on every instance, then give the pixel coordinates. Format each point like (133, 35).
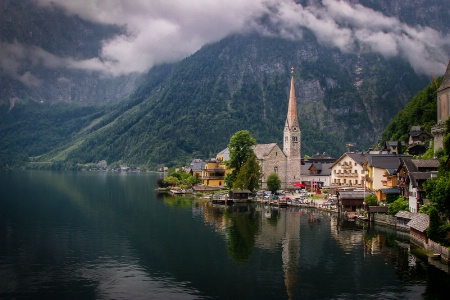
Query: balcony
(346, 174)
(213, 177)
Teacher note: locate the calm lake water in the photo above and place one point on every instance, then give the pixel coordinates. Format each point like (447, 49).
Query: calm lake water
(89, 235)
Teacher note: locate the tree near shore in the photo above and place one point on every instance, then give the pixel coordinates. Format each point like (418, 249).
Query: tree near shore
(240, 148)
(273, 182)
(249, 175)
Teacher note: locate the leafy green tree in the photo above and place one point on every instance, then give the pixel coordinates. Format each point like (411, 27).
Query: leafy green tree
(273, 182)
(192, 180)
(433, 228)
(249, 175)
(426, 208)
(391, 198)
(371, 200)
(438, 191)
(398, 205)
(240, 148)
(171, 180)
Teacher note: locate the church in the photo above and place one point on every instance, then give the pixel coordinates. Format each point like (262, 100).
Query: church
(443, 111)
(285, 162)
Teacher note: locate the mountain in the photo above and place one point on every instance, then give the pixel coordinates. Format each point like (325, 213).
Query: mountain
(191, 108)
(32, 37)
(420, 111)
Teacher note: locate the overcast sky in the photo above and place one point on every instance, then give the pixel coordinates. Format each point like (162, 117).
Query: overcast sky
(159, 31)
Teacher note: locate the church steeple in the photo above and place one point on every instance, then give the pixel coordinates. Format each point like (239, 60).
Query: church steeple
(292, 117)
(292, 139)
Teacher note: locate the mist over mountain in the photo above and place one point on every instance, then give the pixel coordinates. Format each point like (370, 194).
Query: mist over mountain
(167, 87)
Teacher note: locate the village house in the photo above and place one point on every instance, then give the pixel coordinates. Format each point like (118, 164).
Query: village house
(392, 147)
(316, 175)
(403, 218)
(214, 172)
(378, 167)
(418, 227)
(350, 201)
(196, 167)
(348, 170)
(418, 137)
(412, 173)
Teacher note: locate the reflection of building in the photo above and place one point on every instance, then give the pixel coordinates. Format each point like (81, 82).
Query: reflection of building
(287, 233)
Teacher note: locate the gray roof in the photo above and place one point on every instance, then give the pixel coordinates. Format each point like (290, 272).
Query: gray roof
(225, 154)
(384, 161)
(354, 195)
(323, 168)
(419, 222)
(356, 156)
(262, 150)
(404, 214)
(415, 165)
(391, 191)
(197, 165)
(418, 177)
(426, 163)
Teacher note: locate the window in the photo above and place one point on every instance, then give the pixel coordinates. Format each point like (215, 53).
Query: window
(275, 169)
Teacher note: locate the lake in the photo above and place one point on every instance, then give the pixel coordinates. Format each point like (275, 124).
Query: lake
(93, 235)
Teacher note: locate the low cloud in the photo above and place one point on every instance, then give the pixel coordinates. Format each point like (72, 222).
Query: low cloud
(160, 31)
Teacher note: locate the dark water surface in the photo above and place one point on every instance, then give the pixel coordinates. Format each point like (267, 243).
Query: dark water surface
(91, 235)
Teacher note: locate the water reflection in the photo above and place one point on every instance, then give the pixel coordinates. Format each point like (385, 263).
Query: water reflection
(85, 235)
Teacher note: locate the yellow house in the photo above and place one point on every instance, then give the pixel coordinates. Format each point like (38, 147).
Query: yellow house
(215, 170)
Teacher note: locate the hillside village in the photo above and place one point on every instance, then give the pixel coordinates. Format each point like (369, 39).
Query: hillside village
(394, 169)
(388, 173)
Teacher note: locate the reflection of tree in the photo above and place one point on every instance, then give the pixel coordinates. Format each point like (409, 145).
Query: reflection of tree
(181, 202)
(274, 217)
(242, 234)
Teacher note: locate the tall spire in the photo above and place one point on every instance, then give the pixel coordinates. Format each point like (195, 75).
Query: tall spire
(292, 117)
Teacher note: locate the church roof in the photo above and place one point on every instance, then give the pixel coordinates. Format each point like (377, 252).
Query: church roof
(446, 81)
(262, 150)
(292, 116)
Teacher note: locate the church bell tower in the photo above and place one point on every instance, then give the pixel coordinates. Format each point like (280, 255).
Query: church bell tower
(292, 140)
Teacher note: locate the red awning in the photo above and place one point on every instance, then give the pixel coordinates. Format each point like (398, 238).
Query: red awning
(299, 184)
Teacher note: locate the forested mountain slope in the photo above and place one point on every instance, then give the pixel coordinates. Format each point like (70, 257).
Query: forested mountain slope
(190, 108)
(420, 111)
